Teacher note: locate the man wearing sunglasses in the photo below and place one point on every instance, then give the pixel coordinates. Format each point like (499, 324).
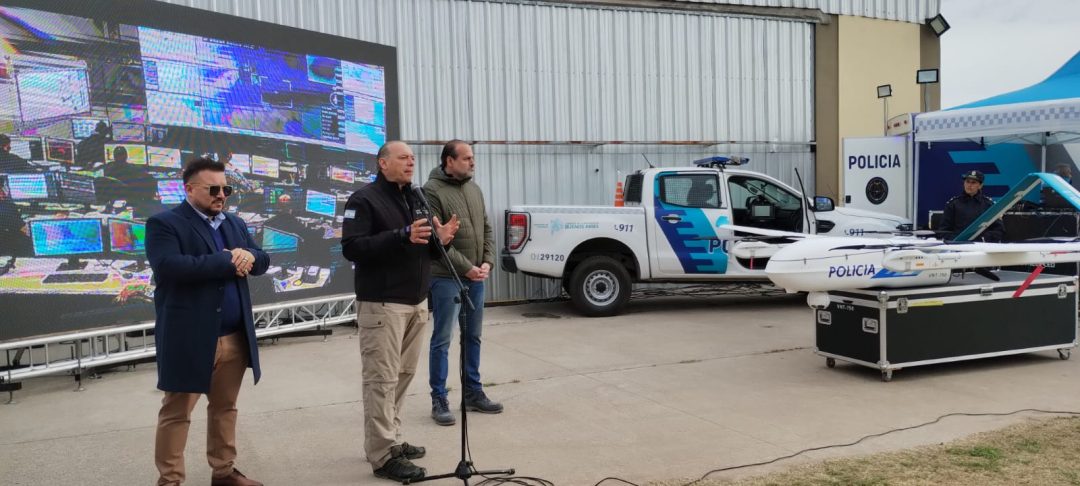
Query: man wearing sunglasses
(205, 335)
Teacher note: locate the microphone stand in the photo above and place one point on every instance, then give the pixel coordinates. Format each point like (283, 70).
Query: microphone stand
(464, 469)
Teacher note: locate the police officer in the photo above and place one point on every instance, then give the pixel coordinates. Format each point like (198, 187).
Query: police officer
(961, 210)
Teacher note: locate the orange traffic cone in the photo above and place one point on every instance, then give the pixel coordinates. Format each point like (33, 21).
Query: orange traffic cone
(618, 194)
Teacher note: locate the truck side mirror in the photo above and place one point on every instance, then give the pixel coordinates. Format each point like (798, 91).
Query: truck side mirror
(823, 204)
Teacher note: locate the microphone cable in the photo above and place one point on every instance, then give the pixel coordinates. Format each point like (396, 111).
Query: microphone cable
(865, 437)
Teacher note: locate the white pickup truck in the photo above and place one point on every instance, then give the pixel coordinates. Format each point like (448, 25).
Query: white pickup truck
(667, 232)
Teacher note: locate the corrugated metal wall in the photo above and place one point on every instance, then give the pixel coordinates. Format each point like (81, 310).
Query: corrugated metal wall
(916, 11)
(480, 70)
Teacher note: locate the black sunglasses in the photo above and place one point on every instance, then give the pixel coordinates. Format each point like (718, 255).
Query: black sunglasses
(215, 190)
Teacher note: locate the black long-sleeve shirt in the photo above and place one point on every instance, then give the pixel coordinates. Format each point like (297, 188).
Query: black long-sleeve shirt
(961, 210)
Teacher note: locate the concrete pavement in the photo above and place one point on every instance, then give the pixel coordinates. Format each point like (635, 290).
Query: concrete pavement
(675, 387)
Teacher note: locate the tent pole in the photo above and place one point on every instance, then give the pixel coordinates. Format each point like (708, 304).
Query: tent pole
(1043, 152)
(913, 205)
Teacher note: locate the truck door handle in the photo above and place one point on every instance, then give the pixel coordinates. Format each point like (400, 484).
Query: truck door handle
(672, 218)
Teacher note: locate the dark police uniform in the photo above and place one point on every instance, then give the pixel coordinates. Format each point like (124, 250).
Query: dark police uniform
(961, 210)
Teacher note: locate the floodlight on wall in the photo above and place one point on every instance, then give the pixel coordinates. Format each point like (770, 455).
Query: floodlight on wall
(926, 77)
(938, 25)
(884, 92)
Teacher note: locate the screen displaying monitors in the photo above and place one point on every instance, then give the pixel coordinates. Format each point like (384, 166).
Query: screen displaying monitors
(277, 197)
(172, 83)
(367, 138)
(128, 132)
(48, 93)
(28, 187)
(277, 241)
(265, 166)
(342, 175)
(364, 79)
(168, 158)
(136, 154)
(66, 237)
(241, 163)
(320, 203)
(83, 127)
(29, 148)
(76, 188)
(203, 82)
(127, 237)
(59, 150)
(171, 191)
(366, 110)
(295, 151)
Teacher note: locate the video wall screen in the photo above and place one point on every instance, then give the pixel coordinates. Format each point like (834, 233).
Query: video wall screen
(101, 104)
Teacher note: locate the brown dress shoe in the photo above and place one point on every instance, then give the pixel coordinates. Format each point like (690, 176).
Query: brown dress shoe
(236, 478)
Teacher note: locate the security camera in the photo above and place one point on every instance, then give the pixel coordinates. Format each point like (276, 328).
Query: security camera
(817, 300)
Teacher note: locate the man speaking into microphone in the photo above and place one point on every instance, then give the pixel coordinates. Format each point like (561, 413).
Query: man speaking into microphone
(387, 235)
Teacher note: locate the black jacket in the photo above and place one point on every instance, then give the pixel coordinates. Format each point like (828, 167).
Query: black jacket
(90, 150)
(961, 210)
(12, 239)
(139, 188)
(388, 267)
(11, 163)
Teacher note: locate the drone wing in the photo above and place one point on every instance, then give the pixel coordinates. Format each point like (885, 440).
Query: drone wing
(976, 255)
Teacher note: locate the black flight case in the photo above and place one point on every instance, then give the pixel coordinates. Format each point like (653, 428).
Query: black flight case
(970, 317)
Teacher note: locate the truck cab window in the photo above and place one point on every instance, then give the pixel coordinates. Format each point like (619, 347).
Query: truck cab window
(762, 204)
(690, 190)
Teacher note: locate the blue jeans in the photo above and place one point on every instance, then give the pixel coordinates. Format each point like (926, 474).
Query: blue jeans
(445, 310)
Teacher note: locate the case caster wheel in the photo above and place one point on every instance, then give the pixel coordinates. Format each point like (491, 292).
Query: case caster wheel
(830, 362)
(1064, 353)
(886, 375)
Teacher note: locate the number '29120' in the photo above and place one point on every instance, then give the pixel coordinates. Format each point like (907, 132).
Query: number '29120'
(548, 257)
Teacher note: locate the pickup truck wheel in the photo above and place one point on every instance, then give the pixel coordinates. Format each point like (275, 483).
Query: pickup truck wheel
(599, 286)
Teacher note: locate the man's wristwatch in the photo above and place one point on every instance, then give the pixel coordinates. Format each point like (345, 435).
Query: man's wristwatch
(405, 233)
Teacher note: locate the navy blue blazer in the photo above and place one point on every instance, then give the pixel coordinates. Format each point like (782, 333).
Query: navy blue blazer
(190, 275)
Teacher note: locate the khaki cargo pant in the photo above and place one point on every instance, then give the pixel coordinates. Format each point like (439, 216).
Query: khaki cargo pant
(390, 343)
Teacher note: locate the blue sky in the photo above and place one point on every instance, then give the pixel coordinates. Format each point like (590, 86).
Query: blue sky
(997, 46)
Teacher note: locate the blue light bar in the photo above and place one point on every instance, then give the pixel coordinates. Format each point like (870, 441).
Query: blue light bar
(721, 161)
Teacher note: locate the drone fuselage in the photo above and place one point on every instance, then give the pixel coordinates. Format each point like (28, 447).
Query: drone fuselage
(824, 264)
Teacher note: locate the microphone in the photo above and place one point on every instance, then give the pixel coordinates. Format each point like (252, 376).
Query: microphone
(425, 208)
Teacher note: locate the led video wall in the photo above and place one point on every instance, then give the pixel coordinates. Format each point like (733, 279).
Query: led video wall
(101, 104)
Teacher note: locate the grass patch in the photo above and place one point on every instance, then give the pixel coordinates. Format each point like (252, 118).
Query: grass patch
(979, 457)
(1043, 452)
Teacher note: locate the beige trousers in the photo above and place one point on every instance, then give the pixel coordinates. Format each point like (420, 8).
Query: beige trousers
(174, 418)
(390, 342)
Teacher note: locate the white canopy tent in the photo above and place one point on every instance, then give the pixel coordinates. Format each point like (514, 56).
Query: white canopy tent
(1038, 122)
(1043, 114)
